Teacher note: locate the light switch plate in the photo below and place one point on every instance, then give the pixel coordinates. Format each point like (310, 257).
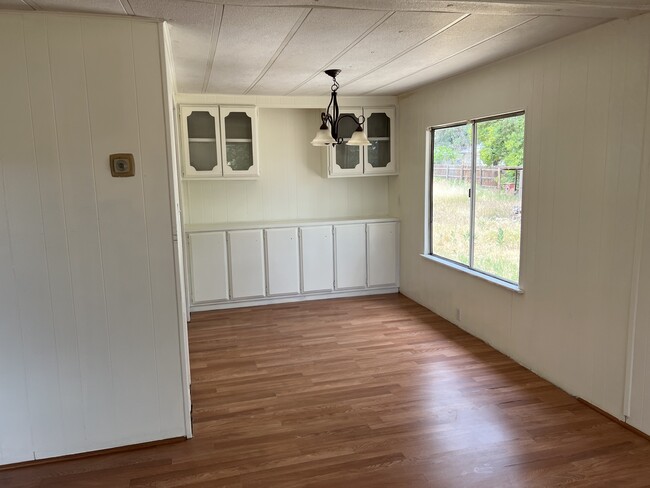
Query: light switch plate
(122, 165)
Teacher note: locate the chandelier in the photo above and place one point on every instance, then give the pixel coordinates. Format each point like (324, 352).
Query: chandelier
(329, 129)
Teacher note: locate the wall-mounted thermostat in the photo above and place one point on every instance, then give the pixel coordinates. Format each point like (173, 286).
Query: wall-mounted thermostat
(122, 165)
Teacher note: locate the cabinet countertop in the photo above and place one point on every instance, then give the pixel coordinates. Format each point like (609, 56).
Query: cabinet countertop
(191, 228)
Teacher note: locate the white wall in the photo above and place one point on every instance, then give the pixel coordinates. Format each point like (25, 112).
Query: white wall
(89, 340)
(291, 185)
(586, 118)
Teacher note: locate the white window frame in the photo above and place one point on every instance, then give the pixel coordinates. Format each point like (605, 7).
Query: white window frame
(428, 243)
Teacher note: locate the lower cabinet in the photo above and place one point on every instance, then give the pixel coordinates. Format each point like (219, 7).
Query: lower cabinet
(282, 261)
(317, 253)
(208, 255)
(246, 249)
(382, 247)
(350, 252)
(234, 267)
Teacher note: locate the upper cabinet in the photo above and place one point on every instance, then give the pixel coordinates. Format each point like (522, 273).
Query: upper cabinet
(379, 156)
(347, 160)
(376, 159)
(219, 142)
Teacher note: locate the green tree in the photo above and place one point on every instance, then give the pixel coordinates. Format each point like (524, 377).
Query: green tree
(501, 141)
(450, 143)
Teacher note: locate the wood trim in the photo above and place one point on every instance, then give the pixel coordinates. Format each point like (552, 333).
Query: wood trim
(614, 419)
(84, 455)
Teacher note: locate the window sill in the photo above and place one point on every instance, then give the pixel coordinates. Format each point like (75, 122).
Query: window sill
(491, 279)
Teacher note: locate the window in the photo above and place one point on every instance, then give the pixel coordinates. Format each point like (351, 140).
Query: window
(475, 194)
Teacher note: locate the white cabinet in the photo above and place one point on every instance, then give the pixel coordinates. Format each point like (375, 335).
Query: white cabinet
(218, 142)
(377, 159)
(346, 160)
(249, 264)
(317, 253)
(208, 266)
(383, 256)
(350, 256)
(200, 142)
(238, 141)
(282, 261)
(246, 250)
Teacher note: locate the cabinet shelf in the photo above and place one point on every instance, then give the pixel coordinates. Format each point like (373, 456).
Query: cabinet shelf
(202, 139)
(379, 138)
(239, 140)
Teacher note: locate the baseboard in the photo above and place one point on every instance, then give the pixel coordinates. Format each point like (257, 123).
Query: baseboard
(614, 419)
(294, 298)
(83, 455)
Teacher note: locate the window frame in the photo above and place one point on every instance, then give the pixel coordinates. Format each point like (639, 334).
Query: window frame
(428, 241)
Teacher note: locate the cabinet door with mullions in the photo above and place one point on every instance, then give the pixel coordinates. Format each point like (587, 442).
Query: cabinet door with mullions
(200, 142)
(379, 156)
(238, 141)
(346, 160)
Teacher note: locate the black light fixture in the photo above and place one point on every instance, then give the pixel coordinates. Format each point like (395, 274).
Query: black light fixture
(329, 129)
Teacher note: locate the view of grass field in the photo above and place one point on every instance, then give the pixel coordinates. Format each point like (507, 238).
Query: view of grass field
(497, 228)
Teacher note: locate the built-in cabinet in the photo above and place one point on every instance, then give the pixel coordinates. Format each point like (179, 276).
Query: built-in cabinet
(376, 159)
(240, 266)
(246, 252)
(383, 254)
(219, 141)
(350, 251)
(208, 255)
(317, 258)
(283, 261)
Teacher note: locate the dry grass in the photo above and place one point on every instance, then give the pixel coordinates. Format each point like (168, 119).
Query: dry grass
(498, 228)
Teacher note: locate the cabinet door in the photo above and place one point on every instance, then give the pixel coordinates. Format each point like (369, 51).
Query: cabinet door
(350, 256)
(379, 157)
(317, 252)
(346, 160)
(208, 266)
(246, 263)
(383, 254)
(239, 141)
(282, 261)
(199, 142)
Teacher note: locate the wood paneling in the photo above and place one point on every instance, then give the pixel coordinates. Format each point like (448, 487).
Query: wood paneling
(367, 392)
(585, 101)
(89, 336)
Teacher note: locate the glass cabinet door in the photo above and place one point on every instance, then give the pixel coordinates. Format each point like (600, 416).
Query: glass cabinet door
(380, 155)
(238, 141)
(347, 160)
(200, 126)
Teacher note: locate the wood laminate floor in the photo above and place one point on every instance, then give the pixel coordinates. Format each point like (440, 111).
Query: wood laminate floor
(363, 392)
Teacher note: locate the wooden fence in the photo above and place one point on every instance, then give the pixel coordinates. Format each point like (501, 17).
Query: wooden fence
(486, 176)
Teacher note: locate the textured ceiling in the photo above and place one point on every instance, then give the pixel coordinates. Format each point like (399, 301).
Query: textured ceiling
(384, 47)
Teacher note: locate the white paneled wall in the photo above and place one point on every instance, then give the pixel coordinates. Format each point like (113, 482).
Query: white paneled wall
(586, 113)
(291, 185)
(639, 380)
(89, 339)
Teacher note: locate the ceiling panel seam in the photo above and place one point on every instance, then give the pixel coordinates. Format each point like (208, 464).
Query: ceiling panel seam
(214, 40)
(278, 51)
(126, 6)
(493, 36)
(31, 4)
(409, 49)
(344, 51)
